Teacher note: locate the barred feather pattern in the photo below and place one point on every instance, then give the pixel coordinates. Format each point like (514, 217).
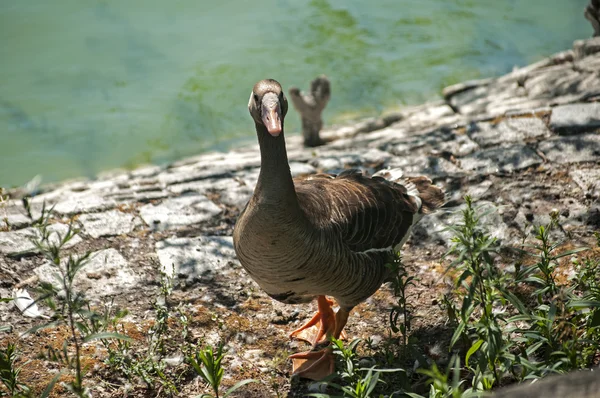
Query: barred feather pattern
(337, 242)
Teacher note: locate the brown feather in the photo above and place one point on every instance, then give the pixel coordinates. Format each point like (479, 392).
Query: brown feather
(368, 213)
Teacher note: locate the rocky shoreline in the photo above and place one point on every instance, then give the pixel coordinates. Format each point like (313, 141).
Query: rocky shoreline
(523, 144)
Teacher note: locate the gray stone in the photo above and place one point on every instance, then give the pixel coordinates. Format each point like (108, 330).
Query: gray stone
(106, 273)
(185, 174)
(68, 202)
(537, 212)
(299, 169)
(327, 163)
(434, 227)
(583, 48)
(109, 223)
(572, 149)
(574, 118)
(18, 243)
(454, 89)
(196, 259)
(588, 180)
(237, 196)
(138, 195)
(508, 131)
(577, 384)
(145, 171)
(180, 211)
(203, 186)
(12, 215)
(424, 165)
(459, 145)
(500, 160)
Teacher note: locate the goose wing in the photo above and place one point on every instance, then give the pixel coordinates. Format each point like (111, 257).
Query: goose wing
(368, 212)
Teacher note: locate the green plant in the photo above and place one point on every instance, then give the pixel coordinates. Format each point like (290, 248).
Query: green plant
(207, 363)
(482, 291)
(9, 373)
(562, 328)
(400, 281)
(356, 382)
(70, 307)
(503, 335)
(148, 364)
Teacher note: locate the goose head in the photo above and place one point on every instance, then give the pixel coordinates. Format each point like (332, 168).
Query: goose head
(268, 106)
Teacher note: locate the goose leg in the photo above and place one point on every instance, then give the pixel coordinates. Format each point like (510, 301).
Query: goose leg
(317, 365)
(324, 318)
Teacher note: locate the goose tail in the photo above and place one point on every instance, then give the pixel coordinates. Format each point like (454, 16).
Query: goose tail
(428, 196)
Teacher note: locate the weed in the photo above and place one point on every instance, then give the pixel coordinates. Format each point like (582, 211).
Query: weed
(149, 365)
(357, 382)
(502, 336)
(9, 373)
(70, 307)
(400, 281)
(207, 363)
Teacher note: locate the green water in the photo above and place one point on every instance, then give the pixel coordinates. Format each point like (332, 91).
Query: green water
(87, 86)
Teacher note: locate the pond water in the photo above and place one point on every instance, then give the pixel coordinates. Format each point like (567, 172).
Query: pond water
(96, 85)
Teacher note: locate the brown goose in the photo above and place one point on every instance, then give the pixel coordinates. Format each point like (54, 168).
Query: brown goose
(324, 235)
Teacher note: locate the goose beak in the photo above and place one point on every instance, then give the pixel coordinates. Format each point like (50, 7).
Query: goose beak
(270, 114)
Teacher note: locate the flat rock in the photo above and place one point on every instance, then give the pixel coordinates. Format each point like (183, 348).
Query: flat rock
(537, 212)
(573, 118)
(327, 163)
(440, 140)
(109, 223)
(299, 169)
(18, 243)
(203, 186)
(195, 259)
(236, 197)
(71, 203)
(572, 149)
(435, 227)
(500, 160)
(176, 212)
(511, 130)
(185, 174)
(12, 215)
(430, 166)
(106, 273)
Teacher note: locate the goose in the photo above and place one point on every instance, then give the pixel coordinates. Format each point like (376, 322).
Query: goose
(323, 235)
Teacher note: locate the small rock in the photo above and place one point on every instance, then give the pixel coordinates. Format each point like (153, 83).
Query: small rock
(588, 180)
(507, 131)
(575, 118)
(18, 243)
(110, 274)
(173, 361)
(376, 340)
(298, 169)
(317, 387)
(366, 362)
(109, 223)
(255, 356)
(503, 159)
(196, 258)
(572, 149)
(177, 212)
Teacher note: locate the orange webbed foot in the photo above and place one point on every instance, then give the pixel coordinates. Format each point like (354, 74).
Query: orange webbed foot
(314, 365)
(324, 320)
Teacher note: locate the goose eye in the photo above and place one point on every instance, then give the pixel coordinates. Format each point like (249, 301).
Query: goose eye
(255, 98)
